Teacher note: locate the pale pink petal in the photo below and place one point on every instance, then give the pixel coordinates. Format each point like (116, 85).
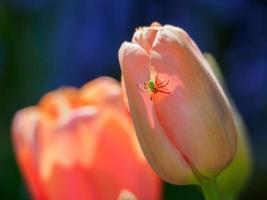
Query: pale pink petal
(159, 150)
(195, 116)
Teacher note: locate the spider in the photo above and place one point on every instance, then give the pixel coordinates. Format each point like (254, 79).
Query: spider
(154, 87)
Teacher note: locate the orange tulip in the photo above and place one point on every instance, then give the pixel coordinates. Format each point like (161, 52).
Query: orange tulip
(80, 145)
(182, 117)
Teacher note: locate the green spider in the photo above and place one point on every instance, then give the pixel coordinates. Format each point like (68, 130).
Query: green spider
(154, 87)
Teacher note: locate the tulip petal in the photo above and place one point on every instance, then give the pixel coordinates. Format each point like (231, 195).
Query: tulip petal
(145, 36)
(24, 138)
(58, 103)
(101, 91)
(118, 142)
(69, 183)
(59, 140)
(196, 110)
(160, 152)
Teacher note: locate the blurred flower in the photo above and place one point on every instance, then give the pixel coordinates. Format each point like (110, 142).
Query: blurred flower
(80, 144)
(234, 178)
(182, 117)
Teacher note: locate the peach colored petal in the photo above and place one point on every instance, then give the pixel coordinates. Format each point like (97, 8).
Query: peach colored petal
(121, 124)
(117, 147)
(166, 160)
(57, 104)
(69, 183)
(24, 138)
(103, 90)
(195, 103)
(77, 138)
(24, 126)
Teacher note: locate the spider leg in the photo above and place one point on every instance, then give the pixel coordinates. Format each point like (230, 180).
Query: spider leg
(145, 85)
(156, 79)
(139, 88)
(160, 83)
(163, 92)
(164, 84)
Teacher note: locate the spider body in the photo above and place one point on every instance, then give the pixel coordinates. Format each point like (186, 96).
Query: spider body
(153, 87)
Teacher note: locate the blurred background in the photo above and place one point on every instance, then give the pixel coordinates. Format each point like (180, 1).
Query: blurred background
(45, 44)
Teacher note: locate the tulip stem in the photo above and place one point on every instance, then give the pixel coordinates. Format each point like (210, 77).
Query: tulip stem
(210, 189)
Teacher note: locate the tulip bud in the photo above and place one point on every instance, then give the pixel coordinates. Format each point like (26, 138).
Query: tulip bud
(80, 144)
(182, 117)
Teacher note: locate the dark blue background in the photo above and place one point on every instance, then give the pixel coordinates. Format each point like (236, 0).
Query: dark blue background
(45, 44)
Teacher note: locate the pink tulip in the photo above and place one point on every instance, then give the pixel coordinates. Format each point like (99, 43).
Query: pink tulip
(182, 117)
(80, 145)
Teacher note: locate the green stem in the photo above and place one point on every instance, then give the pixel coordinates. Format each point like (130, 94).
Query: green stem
(210, 190)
